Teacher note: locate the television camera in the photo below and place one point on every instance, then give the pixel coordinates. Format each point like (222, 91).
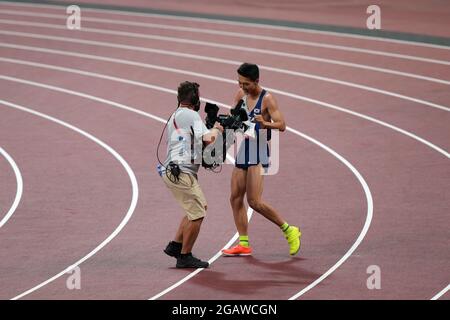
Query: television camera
(214, 154)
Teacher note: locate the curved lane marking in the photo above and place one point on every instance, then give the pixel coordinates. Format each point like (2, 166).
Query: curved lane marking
(234, 34)
(343, 160)
(218, 21)
(210, 59)
(226, 46)
(441, 293)
(294, 96)
(134, 184)
(19, 189)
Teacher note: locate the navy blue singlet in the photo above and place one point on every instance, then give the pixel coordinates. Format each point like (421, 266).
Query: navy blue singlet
(254, 151)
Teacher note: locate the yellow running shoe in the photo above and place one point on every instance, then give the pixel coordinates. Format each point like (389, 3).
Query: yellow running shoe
(293, 236)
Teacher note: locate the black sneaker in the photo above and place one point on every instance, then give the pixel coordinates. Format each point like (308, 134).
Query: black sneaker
(189, 261)
(173, 249)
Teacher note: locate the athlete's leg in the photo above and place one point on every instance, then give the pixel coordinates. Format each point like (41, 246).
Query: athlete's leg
(238, 188)
(254, 199)
(238, 181)
(255, 181)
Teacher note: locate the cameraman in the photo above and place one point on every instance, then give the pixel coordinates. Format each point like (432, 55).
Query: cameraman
(185, 130)
(247, 177)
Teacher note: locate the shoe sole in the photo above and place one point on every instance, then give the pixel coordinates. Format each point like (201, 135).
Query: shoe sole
(190, 267)
(236, 254)
(295, 253)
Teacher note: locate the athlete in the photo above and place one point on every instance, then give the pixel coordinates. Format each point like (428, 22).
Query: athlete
(247, 177)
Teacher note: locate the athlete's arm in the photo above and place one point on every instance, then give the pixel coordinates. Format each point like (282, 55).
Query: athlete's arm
(239, 95)
(275, 114)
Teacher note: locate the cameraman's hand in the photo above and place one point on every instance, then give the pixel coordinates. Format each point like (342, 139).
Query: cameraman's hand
(218, 127)
(213, 134)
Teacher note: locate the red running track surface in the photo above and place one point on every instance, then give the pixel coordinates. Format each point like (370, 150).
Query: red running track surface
(76, 193)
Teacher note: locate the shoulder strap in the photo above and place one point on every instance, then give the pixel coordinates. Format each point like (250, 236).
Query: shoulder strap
(261, 96)
(259, 102)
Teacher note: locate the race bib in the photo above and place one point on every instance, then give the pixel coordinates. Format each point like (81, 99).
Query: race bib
(250, 133)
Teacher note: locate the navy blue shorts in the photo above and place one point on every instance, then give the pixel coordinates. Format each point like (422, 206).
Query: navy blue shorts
(249, 154)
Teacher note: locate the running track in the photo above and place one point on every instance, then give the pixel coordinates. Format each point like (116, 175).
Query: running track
(364, 164)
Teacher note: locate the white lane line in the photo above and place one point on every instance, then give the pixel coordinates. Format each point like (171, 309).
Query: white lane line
(210, 59)
(120, 106)
(415, 43)
(142, 113)
(233, 34)
(331, 270)
(440, 294)
(19, 188)
(361, 235)
(218, 21)
(355, 245)
(230, 47)
(117, 105)
(291, 95)
(131, 175)
(211, 261)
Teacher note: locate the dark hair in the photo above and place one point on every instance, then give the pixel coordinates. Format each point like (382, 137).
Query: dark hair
(249, 70)
(188, 93)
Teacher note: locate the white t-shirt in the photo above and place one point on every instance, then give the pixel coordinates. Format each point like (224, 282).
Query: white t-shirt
(184, 140)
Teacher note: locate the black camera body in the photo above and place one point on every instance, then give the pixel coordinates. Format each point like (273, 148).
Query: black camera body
(233, 121)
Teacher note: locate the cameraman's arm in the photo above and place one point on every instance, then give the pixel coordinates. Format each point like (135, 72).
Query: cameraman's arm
(212, 135)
